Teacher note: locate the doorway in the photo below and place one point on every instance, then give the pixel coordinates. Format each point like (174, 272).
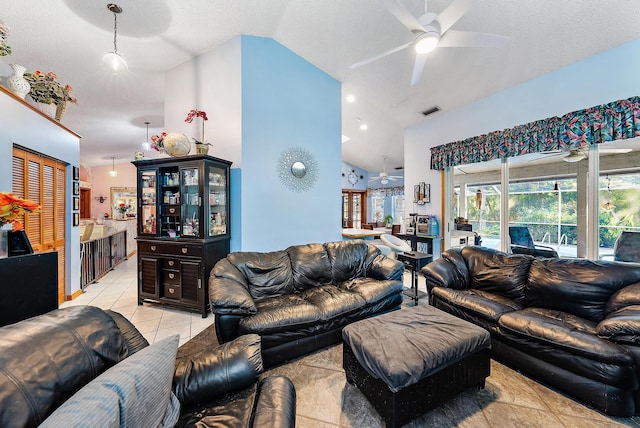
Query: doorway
(354, 210)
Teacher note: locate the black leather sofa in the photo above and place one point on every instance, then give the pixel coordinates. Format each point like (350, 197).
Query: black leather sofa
(573, 324)
(299, 299)
(47, 363)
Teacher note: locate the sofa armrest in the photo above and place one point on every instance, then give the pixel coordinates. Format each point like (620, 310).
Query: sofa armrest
(211, 373)
(621, 326)
(385, 268)
(449, 271)
(276, 405)
(230, 297)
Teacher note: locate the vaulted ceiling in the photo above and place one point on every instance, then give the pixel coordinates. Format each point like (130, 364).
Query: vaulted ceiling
(69, 37)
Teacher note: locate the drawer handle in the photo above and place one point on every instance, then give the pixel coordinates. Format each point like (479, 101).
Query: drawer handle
(185, 250)
(172, 275)
(171, 291)
(172, 210)
(153, 248)
(170, 262)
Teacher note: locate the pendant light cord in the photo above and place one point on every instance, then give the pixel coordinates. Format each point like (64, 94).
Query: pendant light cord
(115, 32)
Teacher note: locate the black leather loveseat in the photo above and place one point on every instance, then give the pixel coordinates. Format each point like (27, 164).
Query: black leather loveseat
(572, 324)
(82, 366)
(299, 299)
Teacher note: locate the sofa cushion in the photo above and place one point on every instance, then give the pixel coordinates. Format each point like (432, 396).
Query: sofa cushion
(488, 306)
(134, 393)
(450, 270)
(372, 290)
(621, 326)
(569, 342)
(82, 342)
(281, 313)
(496, 272)
(347, 259)
(267, 274)
(333, 301)
(311, 266)
(627, 296)
(577, 286)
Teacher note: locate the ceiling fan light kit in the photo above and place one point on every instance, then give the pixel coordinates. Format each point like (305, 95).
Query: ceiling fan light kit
(426, 42)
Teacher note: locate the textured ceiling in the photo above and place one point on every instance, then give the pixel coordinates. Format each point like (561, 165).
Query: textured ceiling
(69, 37)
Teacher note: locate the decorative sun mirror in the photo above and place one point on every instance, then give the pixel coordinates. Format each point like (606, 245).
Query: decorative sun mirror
(298, 169)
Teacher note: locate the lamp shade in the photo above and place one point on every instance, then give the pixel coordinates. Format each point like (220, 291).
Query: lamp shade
(114, 61)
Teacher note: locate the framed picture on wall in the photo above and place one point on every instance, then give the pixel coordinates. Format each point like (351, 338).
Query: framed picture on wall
(76, 188)
(426, 193)
(76, 219)
(76, 173)
(416, 194)
(76, 203)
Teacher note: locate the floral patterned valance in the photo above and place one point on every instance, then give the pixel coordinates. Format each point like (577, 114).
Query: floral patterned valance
(386, 191)
(617, 120)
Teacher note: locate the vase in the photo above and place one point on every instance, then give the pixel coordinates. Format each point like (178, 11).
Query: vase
(4, 244)
(202, 149)
(47, 109)
(17, 83)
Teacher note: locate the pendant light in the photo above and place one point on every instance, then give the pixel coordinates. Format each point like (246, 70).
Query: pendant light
(113, 171)
(146, 145)
(113, 59)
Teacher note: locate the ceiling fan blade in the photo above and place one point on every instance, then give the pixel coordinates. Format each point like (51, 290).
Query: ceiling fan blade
(403, 15)
(470, 39)
(452, 14)
(418, 67)
(382, 55)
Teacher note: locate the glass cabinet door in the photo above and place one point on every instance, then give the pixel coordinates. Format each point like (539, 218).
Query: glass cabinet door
(217, 185)
(148, 214)
(190, 202)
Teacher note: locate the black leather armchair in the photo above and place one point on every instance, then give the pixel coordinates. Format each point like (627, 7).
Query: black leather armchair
(46, 360)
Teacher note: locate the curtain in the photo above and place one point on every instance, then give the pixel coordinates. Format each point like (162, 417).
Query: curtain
(617, 120)
(386, 191)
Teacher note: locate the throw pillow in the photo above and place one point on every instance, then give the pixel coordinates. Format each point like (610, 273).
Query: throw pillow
(134, 393)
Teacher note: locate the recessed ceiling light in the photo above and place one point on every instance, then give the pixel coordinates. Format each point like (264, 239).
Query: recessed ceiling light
(345, 139)
(364, 127)
(351, 98)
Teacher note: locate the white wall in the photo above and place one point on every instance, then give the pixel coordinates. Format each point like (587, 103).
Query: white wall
(22, 126)
(602, 78)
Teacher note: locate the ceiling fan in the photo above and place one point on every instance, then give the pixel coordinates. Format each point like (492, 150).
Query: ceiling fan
(384, 177)
(431, 30)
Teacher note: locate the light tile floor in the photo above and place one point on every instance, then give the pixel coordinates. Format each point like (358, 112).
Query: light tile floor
(325, 399)
(117, 290)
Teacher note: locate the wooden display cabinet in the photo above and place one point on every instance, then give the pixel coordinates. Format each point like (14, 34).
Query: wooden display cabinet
(183, 228)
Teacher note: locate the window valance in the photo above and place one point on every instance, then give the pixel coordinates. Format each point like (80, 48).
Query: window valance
(386, 191)
(617, 120)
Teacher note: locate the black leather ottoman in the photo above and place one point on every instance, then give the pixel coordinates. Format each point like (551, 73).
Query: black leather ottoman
(412, 360)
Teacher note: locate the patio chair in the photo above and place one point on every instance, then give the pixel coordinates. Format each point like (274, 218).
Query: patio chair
(522, 243)
(627, 247)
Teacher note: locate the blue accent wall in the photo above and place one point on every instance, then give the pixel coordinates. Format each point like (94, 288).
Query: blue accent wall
(287, 102)
(235, 191)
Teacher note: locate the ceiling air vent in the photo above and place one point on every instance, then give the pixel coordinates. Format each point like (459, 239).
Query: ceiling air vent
(431, 110)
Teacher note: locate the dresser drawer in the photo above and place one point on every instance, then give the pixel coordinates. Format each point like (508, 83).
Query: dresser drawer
(170, 264)
(170, 210)
(171, 276)
(172, 291)
(166, 248)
